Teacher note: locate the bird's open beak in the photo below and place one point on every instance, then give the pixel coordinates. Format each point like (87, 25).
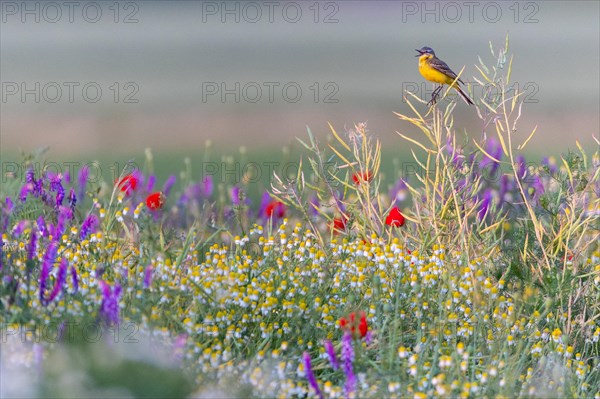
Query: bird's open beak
(418, 51)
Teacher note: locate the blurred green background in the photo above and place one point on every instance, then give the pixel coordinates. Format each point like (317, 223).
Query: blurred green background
(156, 63)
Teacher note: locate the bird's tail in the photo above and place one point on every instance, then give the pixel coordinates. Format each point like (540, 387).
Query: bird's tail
(463, 95)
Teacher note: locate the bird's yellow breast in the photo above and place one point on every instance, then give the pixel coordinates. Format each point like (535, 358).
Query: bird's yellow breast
(430, 73)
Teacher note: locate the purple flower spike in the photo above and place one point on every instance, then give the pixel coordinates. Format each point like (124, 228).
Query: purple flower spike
(64, 214)
(207, 186)
(331, 354)
(41, 225)
(9, 204)
(148, 276)
(400, 191)
(536, 188)
(89, 226)
(494, 149)
(485, 205)
(30, 176)
(521, 166)
(314, 206)
(74, 279)
(72, 199)
(235, 195)
(310, 376)
(347, 362)
(32, 245)
(168, 185)
(19, 227)
(109, 309)
(550, 164)
(47, 264)
(60, 280)
(82, 179)
(57, 187)
(266, 198)
(150, 184)
(25, 190)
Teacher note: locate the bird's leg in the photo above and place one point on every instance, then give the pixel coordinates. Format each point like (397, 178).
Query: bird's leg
(435, 95)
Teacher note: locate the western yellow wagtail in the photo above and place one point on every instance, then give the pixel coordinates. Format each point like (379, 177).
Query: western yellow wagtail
(435, 70)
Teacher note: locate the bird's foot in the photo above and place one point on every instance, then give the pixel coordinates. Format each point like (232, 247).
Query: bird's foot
(435, 96)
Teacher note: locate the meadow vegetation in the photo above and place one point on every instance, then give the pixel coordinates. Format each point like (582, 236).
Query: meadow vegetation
(478, 276)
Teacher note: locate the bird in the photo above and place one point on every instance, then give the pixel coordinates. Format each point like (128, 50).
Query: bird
(435, 70)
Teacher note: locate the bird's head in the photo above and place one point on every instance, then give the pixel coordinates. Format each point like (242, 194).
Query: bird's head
(425, 50)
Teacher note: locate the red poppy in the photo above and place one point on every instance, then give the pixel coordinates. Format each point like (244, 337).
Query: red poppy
(339, 224)
(155, 201)
(358, 330)
(127, 184)
(275, 208)
(363, 326)
(394, 218)
(360, 177)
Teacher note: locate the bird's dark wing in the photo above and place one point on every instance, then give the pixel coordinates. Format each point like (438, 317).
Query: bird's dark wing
(443, 68)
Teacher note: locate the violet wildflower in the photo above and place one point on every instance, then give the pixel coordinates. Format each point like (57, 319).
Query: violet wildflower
(88, 226)
(148, 276)
(60, 196)
(265, 200)
(57, 187)
(41, 225)
(32, 244)
(550, 164)
(521, 166)
(25, 190)
(506, 185)
(207, 186)
(347, 362)
(235, 195)
(64, 214)
(9, 204)
(82, 179)
(19, 227)
(30, 176)
(485, 204)
(168, 185)
(314, 206)
(490, 163)
(536, 188)
(74, 279)
(193, 191)
(72, 199)
(330, 350)
(310, 376)
(47, 264)
(60, 280)
(400, 191)
(178, 347)
(150, 183)
(109, 309)
(457, 157)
